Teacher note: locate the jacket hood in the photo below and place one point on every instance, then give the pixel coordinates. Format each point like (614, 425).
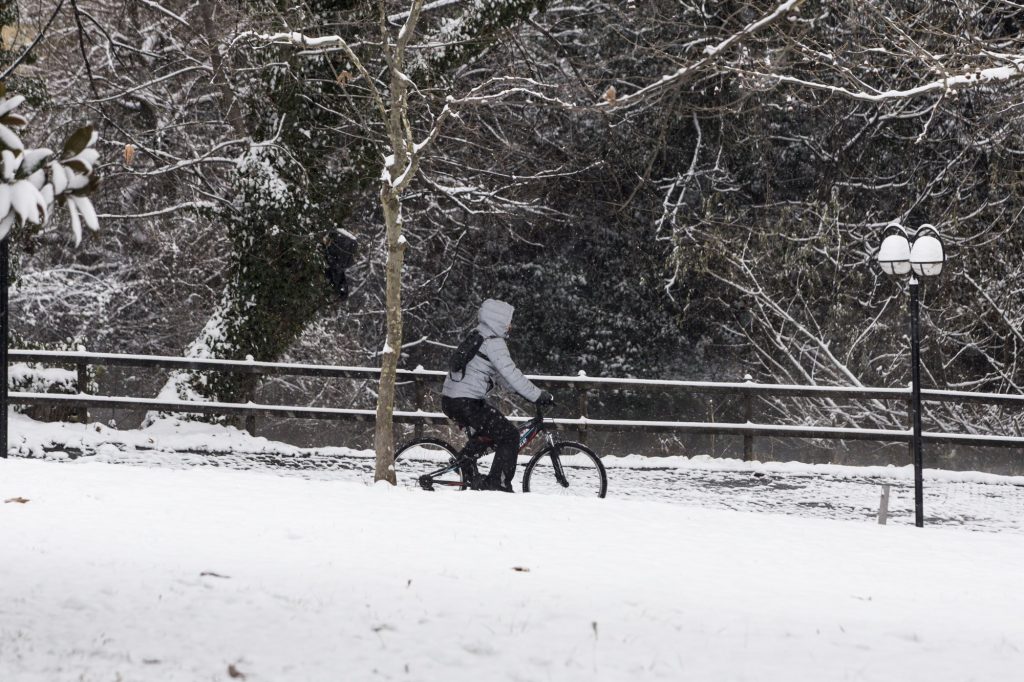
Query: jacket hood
(495, 317)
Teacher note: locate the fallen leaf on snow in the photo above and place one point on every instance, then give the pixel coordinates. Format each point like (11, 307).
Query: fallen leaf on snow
(235, 672)
(521, 569)
(19, 500)
(213, 575)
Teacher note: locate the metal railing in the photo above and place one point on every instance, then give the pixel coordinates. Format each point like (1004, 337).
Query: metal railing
(582, 385)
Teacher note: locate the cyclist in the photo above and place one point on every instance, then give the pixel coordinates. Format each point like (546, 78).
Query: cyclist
(464, 399)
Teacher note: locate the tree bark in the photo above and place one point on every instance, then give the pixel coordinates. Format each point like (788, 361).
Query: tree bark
(384, 435)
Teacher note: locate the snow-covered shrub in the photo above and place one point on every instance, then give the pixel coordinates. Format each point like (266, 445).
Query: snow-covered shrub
(32, 377)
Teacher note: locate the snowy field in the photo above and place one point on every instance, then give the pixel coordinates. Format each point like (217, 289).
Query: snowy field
(142, 564)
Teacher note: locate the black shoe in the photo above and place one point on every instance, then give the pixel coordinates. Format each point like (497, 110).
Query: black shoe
(469, 472)
(488, 483)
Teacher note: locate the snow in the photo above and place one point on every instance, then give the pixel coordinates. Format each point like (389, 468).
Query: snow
(40, 378)
(147, 573)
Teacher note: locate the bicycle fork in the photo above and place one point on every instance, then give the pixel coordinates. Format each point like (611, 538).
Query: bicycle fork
(556, 463)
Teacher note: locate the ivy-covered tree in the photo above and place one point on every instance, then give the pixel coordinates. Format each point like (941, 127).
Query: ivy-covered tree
(316, 158)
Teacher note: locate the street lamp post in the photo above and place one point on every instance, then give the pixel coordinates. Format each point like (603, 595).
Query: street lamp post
(3, 345)
(923, 257)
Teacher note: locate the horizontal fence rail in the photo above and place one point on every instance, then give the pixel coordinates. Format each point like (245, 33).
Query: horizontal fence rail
(582, 384)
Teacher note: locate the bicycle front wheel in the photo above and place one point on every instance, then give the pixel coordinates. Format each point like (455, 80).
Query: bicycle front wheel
(566, 468)
(429, 457)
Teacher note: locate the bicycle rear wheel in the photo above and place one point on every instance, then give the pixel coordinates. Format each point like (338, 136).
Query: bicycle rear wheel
(428, 456)
(566, 468)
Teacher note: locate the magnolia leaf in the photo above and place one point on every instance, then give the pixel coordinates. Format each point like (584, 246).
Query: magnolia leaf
(34, 158)
(38, 179)
(94, 185)
(9, 105)
(14, 120)
(77, 181)
(5, 200)
(78, 141)
(10, 165)
(5, 225)
(88, 212)
(25, 200)
(89, 157)
(76, 223)
(59, 178)
(9, 140)
(78, 166)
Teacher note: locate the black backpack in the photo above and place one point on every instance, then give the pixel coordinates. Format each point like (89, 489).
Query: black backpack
(339, 252)
(465, 351)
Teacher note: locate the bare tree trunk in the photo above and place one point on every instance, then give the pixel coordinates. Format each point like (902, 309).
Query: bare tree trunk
(384, 435)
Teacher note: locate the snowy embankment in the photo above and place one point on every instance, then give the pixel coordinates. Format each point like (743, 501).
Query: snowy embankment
(144, 573)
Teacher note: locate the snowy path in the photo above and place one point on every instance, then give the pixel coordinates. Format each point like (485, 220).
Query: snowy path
(969, 500)
(796, 490)
(154, 574)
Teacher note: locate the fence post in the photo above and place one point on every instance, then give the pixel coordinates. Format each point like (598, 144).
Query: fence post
(83, 386)
(420, 396)
(581, 403)
(748, 416)
(250, 424)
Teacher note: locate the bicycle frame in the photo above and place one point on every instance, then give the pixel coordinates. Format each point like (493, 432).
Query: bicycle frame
(474, 451)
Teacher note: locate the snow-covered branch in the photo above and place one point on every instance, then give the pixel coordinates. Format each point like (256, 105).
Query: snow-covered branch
(972, 78)
(710, 54)
(323, 43)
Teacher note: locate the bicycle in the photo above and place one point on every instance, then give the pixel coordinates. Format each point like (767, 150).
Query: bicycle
(561, 467)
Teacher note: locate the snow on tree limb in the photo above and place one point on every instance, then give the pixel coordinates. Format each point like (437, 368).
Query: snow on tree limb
(298, 39)
(684, 73)
(968, 79)
(156, 6)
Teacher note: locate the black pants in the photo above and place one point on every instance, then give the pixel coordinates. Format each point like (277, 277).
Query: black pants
(487, 420)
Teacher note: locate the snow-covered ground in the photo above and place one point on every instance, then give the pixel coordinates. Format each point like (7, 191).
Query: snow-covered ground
(113, 572)
(970, 500)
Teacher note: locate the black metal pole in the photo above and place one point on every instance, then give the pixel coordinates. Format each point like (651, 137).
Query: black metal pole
(915, 370)
(3, 344)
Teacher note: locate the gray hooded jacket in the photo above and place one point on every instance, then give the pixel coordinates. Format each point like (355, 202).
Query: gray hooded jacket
(481, 373)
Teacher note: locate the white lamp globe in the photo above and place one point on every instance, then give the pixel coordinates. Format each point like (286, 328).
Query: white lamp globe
(927, 255)
(894, 255)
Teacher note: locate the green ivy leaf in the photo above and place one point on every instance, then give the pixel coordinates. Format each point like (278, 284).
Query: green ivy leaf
(77, 143)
